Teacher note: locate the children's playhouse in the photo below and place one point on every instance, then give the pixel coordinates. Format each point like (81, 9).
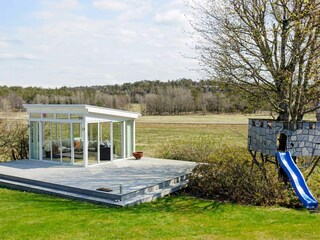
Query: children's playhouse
(285, 141)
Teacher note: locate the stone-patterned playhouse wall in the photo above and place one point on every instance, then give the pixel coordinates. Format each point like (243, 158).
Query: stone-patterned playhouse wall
(303, 138)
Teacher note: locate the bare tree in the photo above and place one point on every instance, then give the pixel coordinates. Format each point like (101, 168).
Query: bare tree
(5, 105)
(16, 101)
(40, 99)
(14, 139)
(268, 48)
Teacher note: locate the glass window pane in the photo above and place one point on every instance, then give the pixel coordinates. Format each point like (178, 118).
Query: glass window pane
(48, 115)
(76, 116)
(105, 142)
(62, 116)
(47, 143)
(34, 137)
(117, 154)
(56, 150)
(65, 143)
(35, 115)
(93, 143)
(77, 143)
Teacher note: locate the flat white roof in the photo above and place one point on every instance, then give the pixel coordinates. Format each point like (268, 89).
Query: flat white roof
(80, 109)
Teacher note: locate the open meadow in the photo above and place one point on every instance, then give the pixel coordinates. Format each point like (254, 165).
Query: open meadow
(155, 131)
(152, 136)
(34, 216)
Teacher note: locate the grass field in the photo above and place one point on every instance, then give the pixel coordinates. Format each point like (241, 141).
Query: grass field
(153, 131)
(202, 119)
(151, 136)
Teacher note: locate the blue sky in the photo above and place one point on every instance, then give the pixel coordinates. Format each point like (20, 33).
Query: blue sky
(53, 43)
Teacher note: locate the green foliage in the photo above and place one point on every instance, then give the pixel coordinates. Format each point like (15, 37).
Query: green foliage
(230, 176)
(225, 173)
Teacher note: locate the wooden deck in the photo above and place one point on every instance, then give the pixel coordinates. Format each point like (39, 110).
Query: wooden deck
(131, 181)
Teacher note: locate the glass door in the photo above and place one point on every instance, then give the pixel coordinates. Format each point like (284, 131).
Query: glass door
(56, 142)
(77, 143)
(46, 142)
(93, 143)
(34, 140)
(105, 141)
(65, 143)
(117, 140)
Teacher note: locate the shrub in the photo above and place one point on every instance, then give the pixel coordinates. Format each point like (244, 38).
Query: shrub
(14, 140)
(230, 176)
(226, 173)
(313, 183)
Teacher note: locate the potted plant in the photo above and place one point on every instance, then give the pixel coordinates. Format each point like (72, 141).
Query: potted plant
(137, 155)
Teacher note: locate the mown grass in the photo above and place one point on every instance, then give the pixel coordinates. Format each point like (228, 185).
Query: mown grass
(34, 216)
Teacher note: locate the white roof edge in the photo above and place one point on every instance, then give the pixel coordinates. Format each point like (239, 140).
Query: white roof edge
(87, 108)
(117, 112)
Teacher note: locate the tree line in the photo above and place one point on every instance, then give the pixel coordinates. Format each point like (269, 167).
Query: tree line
(180, 96)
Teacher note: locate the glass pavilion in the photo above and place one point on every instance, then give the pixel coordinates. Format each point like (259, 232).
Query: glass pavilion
(80, 134)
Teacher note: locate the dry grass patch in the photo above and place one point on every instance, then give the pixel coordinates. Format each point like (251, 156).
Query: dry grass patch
(202, 119)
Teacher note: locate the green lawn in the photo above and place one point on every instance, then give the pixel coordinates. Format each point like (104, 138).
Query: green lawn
(34, 216)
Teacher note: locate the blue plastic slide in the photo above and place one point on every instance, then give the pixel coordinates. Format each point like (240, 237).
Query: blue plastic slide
(297, 181)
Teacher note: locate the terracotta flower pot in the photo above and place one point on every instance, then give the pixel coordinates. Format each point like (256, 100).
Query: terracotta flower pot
(137, 155)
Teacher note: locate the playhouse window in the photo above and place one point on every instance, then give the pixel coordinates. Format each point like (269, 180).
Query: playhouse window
(299, 125)
(312, 125)
(253, 123)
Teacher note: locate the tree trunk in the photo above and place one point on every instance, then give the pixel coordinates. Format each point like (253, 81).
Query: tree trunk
(283, 112)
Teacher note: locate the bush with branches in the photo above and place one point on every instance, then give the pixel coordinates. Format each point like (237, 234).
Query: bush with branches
(229, 175)
(14, 140)
(225, 173)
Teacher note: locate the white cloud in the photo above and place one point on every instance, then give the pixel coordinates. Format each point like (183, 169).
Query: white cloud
(127, 35)
(171, 16)
(60, 4)
(13, 56)
(4, 44)
(44, 15)
(56, 10)
(127, 10)
(112, 5)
